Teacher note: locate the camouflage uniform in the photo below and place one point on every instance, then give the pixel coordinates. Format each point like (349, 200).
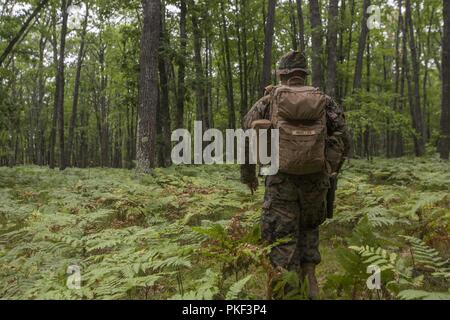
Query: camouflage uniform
(294, 206)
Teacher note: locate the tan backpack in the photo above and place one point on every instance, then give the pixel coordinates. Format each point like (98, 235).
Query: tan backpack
(299, 114)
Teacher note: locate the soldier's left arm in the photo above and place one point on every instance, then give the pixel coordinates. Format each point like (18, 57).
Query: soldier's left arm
(336, 124)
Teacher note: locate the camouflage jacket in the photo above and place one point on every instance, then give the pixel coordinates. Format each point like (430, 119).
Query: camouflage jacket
(261, 110)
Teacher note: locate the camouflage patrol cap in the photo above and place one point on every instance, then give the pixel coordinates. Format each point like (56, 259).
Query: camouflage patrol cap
(291, 62)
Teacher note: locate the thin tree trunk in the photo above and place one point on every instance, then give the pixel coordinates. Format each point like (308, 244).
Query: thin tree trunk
(316, 26)
(244, 104)
(60, 79)
(208, 77)
(52, 139)
(82, 148)
(76, 90)
(163, 115)
(228, 71)
(399, 147)
(416, 112)
(361, 48)
(332, 48)
(293, 20)
(301, 26)
(241, 34)
(349, 51)
(341, 55)
(426, 112)
(201, 96)
(181, 67)
(268, 41)
(397, 138)
(104, 128)
(40, 150)
(445, 114)
(367, 132)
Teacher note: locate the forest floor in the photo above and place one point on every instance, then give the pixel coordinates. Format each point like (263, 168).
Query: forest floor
(193, 232)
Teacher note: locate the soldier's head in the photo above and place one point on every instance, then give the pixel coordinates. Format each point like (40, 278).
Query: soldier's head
(293, 65)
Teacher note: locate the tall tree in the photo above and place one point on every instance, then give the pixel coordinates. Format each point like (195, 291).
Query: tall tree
(179, 119)
(228, 70)
(241, 34)
(163, 114)
(60, 82)
(40, 146)
(316, 39)
(268, 41)
(200, 81)
(301, 26)
(349, 47)
(332, 47)
(76, 90)
(394, 139)
(294, 30)
(445, 113)
(101, 105)
(429, 48)
(54, 122)
(416, 111)
(361, 47)
(148, 86)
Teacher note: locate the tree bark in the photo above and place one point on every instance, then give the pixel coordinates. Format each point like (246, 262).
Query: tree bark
(41, 123)
(181, 67)
(416, 111)
(426, 109)
(200, 81)
(241, 33)
(148, 90)
(332, 48)
(76, 90)
(268, 41)
(228, 71)
(316, 32)
(52, 139)
(340, 77)
(395, 137)
(163, 114)
(60, 79)
(445, 113)
(103, 113)
(349, 50)
(361, 48)
(294, 30)
(301, 26)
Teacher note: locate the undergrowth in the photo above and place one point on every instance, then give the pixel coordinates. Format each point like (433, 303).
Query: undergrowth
(193, 233)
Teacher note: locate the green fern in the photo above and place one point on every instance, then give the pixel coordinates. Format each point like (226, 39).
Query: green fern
(236, 289)
(423, 295)
(429, 258)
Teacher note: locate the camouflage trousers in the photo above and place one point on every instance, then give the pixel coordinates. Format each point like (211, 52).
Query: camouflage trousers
(294, 208)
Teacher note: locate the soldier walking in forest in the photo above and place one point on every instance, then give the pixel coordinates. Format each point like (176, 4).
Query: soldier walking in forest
(313, 146)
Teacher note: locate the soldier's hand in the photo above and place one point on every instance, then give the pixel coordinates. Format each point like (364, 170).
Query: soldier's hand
(253, 186)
